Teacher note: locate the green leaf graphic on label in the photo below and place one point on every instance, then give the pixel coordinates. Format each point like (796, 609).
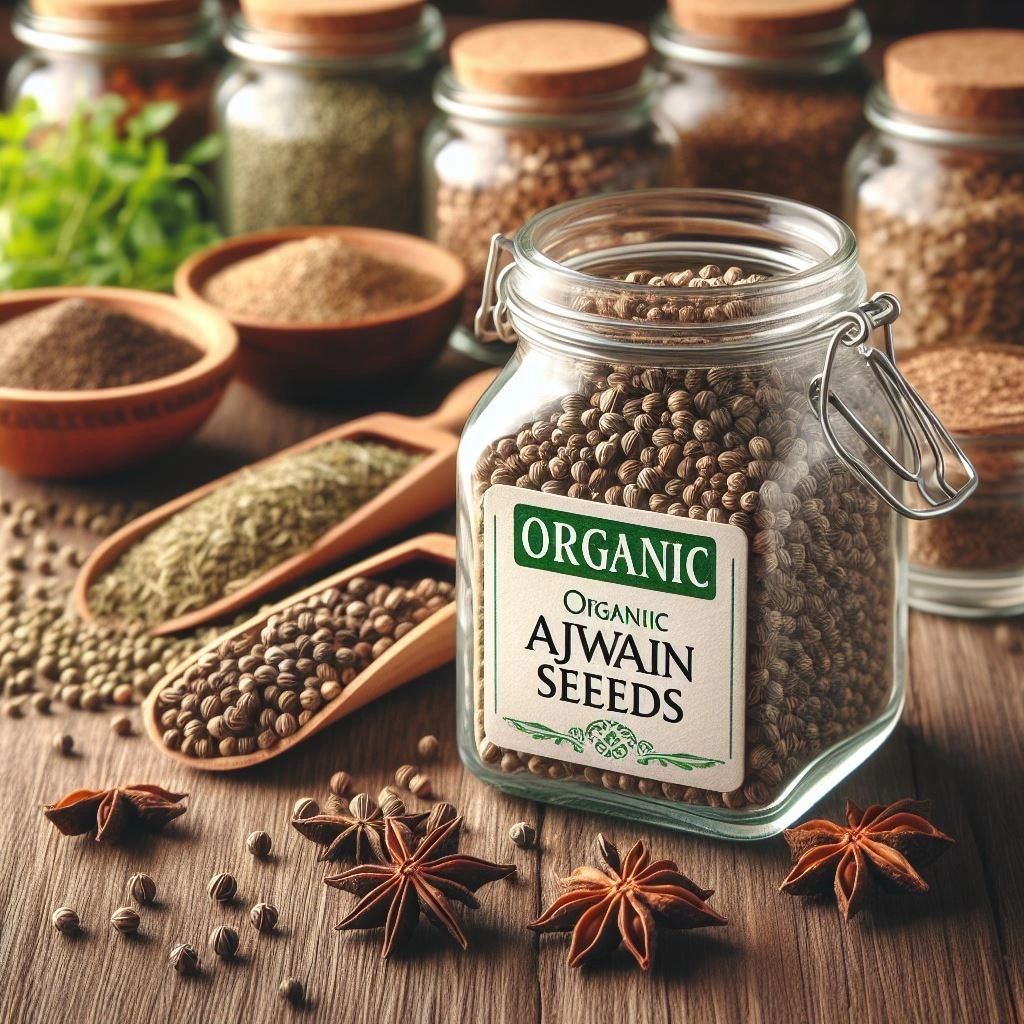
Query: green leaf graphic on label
(540, 731)
(615, 741)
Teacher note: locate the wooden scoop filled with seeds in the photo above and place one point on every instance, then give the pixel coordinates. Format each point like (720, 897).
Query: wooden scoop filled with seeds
(217, 549)
(267, 685)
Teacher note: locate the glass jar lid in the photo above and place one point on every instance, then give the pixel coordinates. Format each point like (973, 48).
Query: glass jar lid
(790, 37)
(963, 87)
(153, 28)
(362, 34)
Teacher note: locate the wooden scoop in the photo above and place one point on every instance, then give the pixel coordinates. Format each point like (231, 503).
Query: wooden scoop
(424, 648)
(427, 488)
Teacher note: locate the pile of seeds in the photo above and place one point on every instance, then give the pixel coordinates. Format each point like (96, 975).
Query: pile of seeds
(262, 685)
(320, 279)
(786, 138)
(977, 391)
(46, 652)
(499, 191)
(77, 345)
(730, 444)
(315, 149)
(244, 528)
(946, 234)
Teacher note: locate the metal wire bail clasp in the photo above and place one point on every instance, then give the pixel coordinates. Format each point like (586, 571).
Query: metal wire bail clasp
(491, 322)
(925, 467)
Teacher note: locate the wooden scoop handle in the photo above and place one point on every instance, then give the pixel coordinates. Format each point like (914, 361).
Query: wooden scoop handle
(452, 413)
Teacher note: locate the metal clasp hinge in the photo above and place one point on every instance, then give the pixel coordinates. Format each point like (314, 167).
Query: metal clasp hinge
(917, 422)
(491, 322)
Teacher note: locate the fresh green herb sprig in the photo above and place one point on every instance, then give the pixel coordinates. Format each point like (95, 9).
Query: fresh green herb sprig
(98, 201)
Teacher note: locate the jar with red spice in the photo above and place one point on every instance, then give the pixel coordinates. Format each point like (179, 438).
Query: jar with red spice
(142, 50)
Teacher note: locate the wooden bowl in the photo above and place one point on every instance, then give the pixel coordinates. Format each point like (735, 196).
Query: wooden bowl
(88, 433)
(321, 361)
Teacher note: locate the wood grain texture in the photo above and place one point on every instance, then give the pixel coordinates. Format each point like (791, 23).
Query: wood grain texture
(955, 955)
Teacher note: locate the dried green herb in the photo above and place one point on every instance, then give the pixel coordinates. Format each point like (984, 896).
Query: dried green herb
(243, 529)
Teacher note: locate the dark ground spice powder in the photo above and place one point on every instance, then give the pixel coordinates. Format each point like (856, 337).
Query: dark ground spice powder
(77, 345)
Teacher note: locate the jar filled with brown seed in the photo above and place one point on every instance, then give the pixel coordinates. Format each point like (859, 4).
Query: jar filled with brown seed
(322, 113)
(534, 113)
(936, 188)
(765, 97)
(680, 554)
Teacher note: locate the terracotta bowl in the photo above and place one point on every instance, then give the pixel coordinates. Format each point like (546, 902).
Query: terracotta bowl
(325, 360)
(88, 433)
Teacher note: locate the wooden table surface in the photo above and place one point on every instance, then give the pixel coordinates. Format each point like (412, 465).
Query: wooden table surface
(956, 954)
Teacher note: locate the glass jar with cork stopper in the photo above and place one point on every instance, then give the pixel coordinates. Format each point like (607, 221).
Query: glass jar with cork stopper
(141, 50)
(681, 585)
(936, 188)
(323, 112)
(534, 113)
(766, 95)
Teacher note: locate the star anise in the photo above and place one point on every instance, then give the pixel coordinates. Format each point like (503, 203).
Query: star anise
(113, 813)
(625, 903)
(355, 833)
(881, 847)
(417, 879)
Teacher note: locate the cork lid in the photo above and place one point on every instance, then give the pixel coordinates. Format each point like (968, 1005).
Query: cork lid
(115, 10)
(970, 73)
(331, 17)
(549, 59)
(759, 19)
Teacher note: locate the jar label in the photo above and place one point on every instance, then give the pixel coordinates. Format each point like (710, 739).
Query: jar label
(615, 637)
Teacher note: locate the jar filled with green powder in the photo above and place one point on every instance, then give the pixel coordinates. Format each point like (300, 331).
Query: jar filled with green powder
(322, 112)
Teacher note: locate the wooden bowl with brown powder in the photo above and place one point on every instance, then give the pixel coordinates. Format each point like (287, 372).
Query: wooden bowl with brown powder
(95, 380)
(321, 312)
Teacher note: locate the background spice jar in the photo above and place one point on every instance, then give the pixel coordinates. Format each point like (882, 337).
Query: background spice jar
(143, 50)
(971, 563)
(680, 389)
(936, 189)
(764, 97)
(534, 113)
(323, 113)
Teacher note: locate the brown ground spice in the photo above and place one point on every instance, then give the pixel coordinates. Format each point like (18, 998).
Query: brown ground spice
(316, 280)
(77, 345)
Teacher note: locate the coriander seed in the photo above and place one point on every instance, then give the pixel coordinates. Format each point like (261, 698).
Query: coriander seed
(291, 990)
(263, 917)
(405, 774)
(224, 941)
(121, 725)
(64, 744)
(184, 958)
(523, 834)
(420, 785)
(41, 703)
(427, 747)
(390, 803)
(222, 888)
(259, 844)
(142, 889)
(66, 921)
(341, 783)
(125, 920)
(306, 807)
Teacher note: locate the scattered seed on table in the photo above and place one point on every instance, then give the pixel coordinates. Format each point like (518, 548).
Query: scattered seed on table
(66, 921)
(184, 958)
(306, 807)
(259, 843)
(405, 774)
(224, 941)
(142, 889)
(390, 803)
(420, 785)
(41, 702)
(263, 917)
(121, 725)
(341, 783)
(291, 989)
(63, 743)
(428, 747)
(15, 707)
(523, 834)
(125, 920)
(222, 887)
